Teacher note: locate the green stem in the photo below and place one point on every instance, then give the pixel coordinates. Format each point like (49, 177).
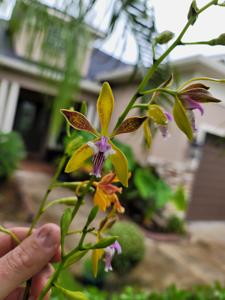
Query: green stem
(141, 105)
(163, 90)
(51, 281)
(155, 65)
(40, 212)
(195, 43)
(50, 187)
(72, 184)
(64, 258)
(10, 233)
(202, 79)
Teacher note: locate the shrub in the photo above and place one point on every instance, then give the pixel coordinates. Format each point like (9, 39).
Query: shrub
(131, 240)
(11, 153)
(88, 277)
(175, 225)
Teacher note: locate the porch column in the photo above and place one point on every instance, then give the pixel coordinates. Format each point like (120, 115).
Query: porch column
(4, 86)
(11, 106)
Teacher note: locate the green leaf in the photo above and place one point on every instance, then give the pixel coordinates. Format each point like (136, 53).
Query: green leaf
(104, 242)
(193, 12)
(181, 119)
(145, 182)
(73, 295)
(64, 224)
(92, 215)
(74, 258)
(83, 109)
(179, 199)
(163, 194)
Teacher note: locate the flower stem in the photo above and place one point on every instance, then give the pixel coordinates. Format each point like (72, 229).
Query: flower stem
(10, 233)
(155, 65)
(48, 191)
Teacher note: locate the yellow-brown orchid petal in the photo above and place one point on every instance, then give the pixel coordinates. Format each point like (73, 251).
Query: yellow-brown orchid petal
(108, 178)
(105, 106)
(118, 205)
(157, 114)
(78, 121)
(101, 199)
(195, 86)
(129, 125)
(78, 158)
(120, 164)
(147, 134)
(96, 256)
(181, 119)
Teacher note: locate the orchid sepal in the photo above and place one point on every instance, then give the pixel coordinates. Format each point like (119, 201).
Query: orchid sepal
(105, 106)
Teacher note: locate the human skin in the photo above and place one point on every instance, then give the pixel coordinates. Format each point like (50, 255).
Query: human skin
(30, 259)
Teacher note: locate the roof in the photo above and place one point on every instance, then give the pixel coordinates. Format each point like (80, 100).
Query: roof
(102, 62)
(214, 65)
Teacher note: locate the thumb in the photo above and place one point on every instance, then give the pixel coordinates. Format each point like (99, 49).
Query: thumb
(28, 258)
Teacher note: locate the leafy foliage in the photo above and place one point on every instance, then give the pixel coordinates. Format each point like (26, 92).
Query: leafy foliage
(131, 240)
(175, 225)
(215, 292)
(12, 151)
(149, 186)
(179, 198)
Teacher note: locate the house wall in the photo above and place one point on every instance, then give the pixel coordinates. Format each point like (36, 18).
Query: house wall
(21, 45)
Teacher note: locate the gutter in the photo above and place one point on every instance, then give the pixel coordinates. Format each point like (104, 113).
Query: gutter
(27, 68)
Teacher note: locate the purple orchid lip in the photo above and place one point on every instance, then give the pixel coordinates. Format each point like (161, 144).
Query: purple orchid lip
(102, 149)
(109, 253)
(169, 116)
(191, 104)
(164, 128)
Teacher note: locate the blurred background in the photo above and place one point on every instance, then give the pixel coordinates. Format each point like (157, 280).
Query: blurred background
(56, 54)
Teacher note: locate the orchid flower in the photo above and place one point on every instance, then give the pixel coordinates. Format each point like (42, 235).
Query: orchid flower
(192, 96)
(105, 194)
(160, 117)
(101, 147)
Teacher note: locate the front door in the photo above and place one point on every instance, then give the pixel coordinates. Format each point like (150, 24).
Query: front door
(32, 121)
(208, 192)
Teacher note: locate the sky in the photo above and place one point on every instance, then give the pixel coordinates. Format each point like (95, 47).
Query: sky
(170, 15)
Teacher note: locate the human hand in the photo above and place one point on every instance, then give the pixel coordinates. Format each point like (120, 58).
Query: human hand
(30, 259)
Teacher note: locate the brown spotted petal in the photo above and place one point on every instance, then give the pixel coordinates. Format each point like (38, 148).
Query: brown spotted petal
(196, 86)
(78, 121)
(199, 95)
(129, 125)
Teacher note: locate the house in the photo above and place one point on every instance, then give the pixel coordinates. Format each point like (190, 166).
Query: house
(27, 96)
(200, 165)
(28, 90)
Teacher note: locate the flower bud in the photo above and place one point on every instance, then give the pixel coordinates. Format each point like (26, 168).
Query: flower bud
(164, 37)
(218, 41)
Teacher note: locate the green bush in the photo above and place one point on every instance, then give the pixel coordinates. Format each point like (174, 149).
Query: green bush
(88, 276)
(175, 225)
(11, 153)
(131, 240)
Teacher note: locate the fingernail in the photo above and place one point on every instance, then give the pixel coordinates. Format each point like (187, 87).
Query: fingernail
(45, 237)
